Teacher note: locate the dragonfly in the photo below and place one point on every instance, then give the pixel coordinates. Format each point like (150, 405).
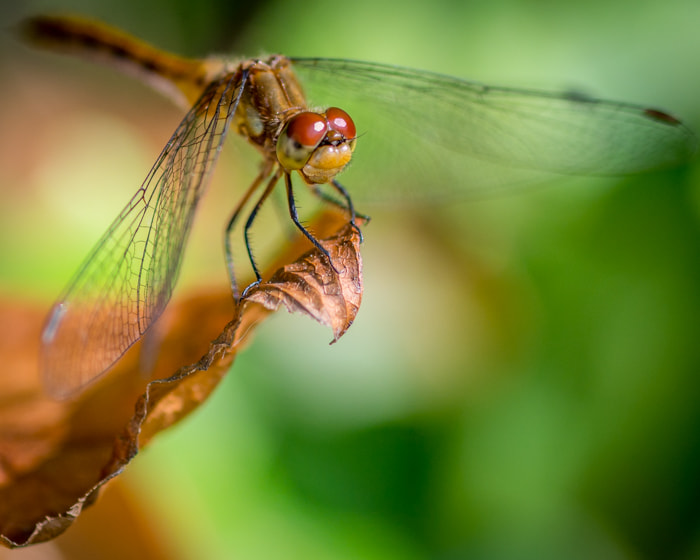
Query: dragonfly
(423, 136)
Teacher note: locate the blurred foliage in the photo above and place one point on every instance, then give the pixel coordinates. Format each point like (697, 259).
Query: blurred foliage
(521, 381)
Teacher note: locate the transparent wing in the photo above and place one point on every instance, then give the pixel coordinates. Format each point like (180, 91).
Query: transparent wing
(427, 135)
(126, 281)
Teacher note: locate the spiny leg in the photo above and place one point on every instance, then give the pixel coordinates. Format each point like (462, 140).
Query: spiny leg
(300, 227)
(249, 223)
(346, 195)
(264, 172)
(348, 205)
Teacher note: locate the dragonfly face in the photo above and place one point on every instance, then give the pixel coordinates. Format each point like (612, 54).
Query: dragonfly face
(318, 145)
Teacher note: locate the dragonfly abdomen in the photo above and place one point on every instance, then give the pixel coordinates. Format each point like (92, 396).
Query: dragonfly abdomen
(174, 75)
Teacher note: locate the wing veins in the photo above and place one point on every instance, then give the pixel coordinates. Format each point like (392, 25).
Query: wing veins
(127, 279)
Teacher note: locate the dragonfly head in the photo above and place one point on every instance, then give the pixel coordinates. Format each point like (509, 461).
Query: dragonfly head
(318, 145)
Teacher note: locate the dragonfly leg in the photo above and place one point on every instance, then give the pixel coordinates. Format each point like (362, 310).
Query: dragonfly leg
(351, 207)
(265, 171)
(323, 195)
(300, 227)
(347, 205)
(249, 223)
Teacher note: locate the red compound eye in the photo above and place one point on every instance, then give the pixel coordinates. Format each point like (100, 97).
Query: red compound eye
(302, 135)
(341, 122)
(307, 129)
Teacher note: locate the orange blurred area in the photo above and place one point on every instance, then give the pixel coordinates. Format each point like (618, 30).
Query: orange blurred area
(119, 528)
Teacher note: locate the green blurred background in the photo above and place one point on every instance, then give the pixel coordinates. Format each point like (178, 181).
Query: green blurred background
(522, 380)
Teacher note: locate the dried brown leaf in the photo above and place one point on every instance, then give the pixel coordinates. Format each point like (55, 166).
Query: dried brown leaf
(55, 456)
(329, 294)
